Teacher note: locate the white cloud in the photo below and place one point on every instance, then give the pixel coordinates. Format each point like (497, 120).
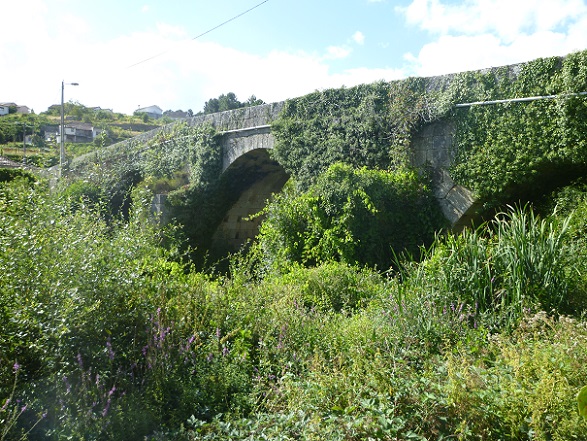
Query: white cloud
(505, 18)
(168, 69)
(481, 33)
(352, 77)
(175, 72)
(337, 52)
(358, 37)
(161, 66)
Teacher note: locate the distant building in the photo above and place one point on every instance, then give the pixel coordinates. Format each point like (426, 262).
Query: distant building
(5, 108)
(152, 111)
(23, 109)
(99, 109)
(78, 132)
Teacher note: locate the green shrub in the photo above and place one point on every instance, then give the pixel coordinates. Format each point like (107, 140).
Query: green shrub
(9, 174)
(354, 216)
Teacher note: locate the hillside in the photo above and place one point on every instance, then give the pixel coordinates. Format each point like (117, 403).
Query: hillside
(41, 131)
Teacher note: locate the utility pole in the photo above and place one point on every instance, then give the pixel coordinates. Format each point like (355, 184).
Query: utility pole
(24, 143)
(62, 129)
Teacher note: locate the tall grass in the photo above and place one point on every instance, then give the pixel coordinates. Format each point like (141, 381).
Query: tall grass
(532, 257)
(517, 262)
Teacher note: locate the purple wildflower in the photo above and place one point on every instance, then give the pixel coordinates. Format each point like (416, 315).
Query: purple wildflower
(109, 349)
(105, 411)
(188, 344)
(16, 367)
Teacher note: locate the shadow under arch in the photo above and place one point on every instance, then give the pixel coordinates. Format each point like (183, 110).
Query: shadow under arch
(250, 181)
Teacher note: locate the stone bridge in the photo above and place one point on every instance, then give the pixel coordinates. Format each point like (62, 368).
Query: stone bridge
(254, 176)
(246, 139)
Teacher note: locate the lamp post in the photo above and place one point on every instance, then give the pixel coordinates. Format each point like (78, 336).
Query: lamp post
(62, 130)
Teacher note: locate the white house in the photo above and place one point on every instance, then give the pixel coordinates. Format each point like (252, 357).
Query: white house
(5, 108)
(78, 132)
(23, 110)
(153, 111)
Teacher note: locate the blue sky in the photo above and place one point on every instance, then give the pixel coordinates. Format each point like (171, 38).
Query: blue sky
(131, 53)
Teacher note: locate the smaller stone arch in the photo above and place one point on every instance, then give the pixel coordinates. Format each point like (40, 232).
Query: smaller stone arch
(433, 146)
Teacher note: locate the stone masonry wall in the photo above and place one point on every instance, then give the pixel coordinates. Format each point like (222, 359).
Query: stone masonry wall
(239, 118)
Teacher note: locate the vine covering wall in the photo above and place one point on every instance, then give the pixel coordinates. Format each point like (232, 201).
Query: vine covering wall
(368, 125)
(504, 151)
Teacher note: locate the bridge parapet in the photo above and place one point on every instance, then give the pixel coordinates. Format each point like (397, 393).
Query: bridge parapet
(244, 117)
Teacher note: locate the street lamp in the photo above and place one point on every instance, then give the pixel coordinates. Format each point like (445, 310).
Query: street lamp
(62, 137)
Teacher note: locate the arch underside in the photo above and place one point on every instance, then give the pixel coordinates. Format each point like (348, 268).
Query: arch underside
(254, 177)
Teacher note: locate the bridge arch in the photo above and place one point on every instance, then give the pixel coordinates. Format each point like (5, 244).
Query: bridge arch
(255, 177)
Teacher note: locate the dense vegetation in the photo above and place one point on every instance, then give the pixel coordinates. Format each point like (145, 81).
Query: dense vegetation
(335, 323)
(514, 150)
(107, 335)
(356, 216)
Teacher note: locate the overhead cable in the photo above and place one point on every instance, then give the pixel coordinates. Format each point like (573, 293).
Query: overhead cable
(519, 100)
(204, 33)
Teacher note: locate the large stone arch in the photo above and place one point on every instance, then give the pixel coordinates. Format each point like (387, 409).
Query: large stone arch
(254, 177)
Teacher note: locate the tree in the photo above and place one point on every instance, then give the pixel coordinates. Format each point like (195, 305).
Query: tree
(211, 106)
(254, 101)
(229, 102)
(7, 131)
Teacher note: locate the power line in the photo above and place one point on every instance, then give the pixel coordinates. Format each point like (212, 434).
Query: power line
(519, 100)
(204, 33)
